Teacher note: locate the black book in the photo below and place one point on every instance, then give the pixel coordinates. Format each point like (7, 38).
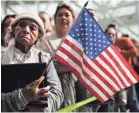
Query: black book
(14, 76)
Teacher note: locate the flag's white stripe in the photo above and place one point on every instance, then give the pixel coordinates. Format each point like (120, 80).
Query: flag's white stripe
(70, 50)
(118, 71)
(95, 78)
(75, 42)
(101, 72)
(123, 66)
(109, 70)
(75, 66)
(76, 55)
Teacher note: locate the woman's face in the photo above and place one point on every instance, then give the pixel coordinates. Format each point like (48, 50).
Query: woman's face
(93, 14)
(46, 20)
(7, 24)
(26, 32)
(64, 19)
(111, 34)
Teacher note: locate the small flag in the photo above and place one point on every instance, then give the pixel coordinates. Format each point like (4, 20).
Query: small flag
(89, 54)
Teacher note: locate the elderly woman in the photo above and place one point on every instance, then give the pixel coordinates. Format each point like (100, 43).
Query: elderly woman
(64, 18)
(26, 30)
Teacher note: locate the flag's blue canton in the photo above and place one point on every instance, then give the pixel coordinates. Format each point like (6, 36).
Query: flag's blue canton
(89, 34)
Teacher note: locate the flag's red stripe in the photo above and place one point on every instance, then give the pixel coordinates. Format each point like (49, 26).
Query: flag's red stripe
(96, 84)
(93, 92)
(113, 69)
(74, 59)
(115, 62)
(74, 47)
(107, 74)
(118, 65)
(126, 64)
(67, 53)
(119, 68)
(60, 59)
(98, 75)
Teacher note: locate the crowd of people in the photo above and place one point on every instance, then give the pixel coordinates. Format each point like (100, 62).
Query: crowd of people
(24, 36)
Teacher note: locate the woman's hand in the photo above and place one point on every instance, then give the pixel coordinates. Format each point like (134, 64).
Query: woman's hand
(32, 92)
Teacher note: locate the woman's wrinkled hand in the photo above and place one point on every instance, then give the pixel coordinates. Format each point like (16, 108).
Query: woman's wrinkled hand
(32, 92)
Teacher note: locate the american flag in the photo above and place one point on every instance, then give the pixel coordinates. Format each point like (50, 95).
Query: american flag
(89, 54)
